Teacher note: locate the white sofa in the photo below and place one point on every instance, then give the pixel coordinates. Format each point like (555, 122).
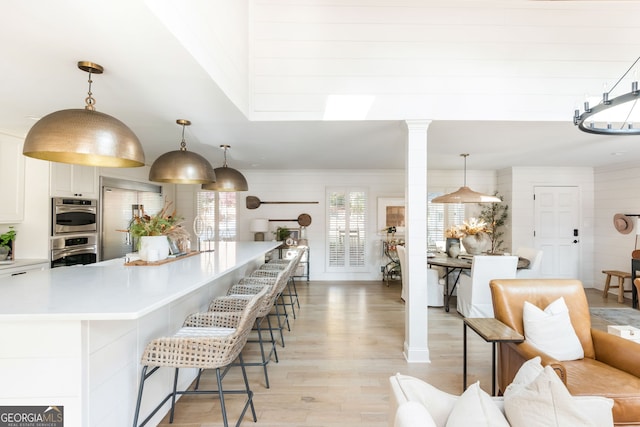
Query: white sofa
(416, 403)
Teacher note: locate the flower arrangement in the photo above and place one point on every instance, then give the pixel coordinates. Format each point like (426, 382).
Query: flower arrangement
(454, 232)
(474, 226)
(161, 224)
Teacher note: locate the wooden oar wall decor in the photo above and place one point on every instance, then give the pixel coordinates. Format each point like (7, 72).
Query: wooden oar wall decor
(254, 203)
(304, 220)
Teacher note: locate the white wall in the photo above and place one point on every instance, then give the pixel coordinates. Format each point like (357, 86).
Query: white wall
(309, 185)
(616, 191)
(601, 246)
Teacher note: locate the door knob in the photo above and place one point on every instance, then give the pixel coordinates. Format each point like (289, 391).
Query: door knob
(575, 241)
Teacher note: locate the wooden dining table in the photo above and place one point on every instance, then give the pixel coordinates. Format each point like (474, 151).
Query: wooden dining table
(453, 267)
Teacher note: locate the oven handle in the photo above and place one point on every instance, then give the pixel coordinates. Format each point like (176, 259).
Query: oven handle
(56, 255)
(65, 209)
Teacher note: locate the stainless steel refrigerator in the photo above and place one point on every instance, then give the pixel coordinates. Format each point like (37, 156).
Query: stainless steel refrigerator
(120, 201)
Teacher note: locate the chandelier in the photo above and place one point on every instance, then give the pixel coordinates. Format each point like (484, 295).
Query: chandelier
(612, 115)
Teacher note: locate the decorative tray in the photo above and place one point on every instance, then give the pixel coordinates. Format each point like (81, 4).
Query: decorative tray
(139, 262)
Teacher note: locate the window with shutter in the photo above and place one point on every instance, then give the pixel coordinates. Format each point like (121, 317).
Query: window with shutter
(347, 236)
(441, 216)
(216, 213)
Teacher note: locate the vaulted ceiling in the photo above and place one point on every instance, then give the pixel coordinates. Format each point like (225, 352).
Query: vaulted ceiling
(498, 79)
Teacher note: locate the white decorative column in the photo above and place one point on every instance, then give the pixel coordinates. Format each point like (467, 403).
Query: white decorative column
(414, 275)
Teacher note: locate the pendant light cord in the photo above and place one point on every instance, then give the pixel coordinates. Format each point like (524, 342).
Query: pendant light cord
(183, 143)
(465, 167)
(90, 100)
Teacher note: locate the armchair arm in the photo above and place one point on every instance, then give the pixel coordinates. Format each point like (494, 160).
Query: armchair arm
(616, 351)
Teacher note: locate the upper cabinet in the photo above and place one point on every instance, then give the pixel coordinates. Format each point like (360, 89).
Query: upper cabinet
(11, 179)
(74, 181)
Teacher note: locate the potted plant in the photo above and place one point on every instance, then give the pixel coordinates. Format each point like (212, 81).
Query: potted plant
(495, 215)
(282, 233)
(153, 232)
(6, 243)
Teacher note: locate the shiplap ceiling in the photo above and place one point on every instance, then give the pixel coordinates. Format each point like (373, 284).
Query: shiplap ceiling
(498, 79)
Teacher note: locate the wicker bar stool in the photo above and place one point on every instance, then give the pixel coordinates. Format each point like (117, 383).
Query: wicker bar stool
(283, 279)
(292, 264)
(271, 270)
(206, 341)
(290, 297)
(249, 286)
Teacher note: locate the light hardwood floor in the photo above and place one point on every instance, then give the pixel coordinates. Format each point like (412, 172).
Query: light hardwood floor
(334, 369)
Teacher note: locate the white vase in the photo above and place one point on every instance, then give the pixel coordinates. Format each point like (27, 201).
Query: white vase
(153, 248)
(476, 244)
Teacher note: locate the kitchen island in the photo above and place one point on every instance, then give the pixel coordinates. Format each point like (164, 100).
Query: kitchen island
(73, 336)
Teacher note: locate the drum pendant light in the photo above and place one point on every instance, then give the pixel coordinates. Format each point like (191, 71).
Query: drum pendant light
(84, 136)
(464, 194)
(182, 166)
(227, 179)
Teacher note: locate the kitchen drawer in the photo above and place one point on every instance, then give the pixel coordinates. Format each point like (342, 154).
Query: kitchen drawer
(22, 267)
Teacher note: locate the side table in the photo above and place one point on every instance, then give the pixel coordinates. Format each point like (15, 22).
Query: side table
(493, 331)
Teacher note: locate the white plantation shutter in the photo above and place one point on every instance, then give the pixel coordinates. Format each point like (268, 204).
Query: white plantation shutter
(441, 216)
(346, 229)
(217, 210)
(227, 216)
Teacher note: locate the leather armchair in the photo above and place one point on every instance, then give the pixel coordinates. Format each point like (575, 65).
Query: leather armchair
(610, 365)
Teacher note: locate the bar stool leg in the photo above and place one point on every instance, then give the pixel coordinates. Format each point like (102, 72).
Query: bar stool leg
(173, 395)
(249, 394)
(139, 401)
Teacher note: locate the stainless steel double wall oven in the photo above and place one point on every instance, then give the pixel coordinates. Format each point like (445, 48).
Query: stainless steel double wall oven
(74, 231)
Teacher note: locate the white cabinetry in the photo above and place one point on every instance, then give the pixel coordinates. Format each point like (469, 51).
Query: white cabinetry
(11, 179)
(74, 181)
(20, 267)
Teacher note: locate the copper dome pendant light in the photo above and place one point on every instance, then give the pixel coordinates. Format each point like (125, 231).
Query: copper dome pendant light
(182, 166)
(464, 194)
(84, 136)
(227, 179)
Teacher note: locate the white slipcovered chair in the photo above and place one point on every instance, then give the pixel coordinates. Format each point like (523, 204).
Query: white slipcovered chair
(534, 270)
(435, 291)
(474, 294)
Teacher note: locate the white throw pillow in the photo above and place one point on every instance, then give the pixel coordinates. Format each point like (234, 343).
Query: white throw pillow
(413, 414)
(528, 372)
(437, 402)
(550, 330)
(476, 408)
(546, 402)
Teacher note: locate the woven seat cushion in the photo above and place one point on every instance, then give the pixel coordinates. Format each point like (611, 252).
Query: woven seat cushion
(189, 331)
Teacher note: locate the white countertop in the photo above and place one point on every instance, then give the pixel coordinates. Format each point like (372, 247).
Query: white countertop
(111, 290)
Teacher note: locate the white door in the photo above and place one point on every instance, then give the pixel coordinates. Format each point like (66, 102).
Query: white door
(557, 232)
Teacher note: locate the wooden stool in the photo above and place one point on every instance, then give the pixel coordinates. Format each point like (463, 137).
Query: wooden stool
(621, 275)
